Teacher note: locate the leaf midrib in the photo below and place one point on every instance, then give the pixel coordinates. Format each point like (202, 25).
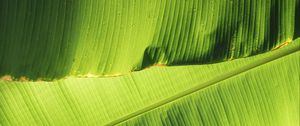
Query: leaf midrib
(256, 63)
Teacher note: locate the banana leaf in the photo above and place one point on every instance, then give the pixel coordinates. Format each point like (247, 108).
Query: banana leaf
(149, 62)
(51, 39)
(259, 90)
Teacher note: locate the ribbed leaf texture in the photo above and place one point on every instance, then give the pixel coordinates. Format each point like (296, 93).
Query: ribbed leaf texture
(51, 39)
(259, 90)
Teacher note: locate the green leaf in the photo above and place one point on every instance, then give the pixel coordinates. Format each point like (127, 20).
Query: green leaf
(55, 56)
(51, 39)
(258, 90)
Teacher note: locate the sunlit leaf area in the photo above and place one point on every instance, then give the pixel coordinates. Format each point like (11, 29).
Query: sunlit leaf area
(150, 62)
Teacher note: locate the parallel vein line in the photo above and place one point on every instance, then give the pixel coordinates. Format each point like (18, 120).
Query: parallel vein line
(213, 81)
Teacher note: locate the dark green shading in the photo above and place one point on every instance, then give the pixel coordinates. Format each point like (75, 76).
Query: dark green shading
(38, 37)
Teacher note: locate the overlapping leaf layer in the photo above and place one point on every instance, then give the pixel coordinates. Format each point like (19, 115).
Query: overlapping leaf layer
(259, 90)
(47, 39)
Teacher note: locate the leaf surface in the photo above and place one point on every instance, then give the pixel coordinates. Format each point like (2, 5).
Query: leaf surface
(258, 90)
(50, 39)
